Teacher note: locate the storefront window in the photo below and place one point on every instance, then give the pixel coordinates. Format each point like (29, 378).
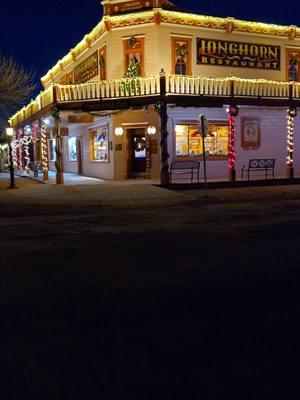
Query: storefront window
(189, 141)
(52, 150)
(99, 145)
(72, 149)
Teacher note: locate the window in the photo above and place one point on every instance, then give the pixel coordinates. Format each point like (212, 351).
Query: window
(181, 56)
(189, 141)
(293, 64)
(52, 150)
(134, 56)
(67, 79)
(72, 148)
(99, 145)
(102, 63)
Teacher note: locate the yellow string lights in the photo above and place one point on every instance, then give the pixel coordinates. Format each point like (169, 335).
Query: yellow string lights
(44, 149)
(291, 114)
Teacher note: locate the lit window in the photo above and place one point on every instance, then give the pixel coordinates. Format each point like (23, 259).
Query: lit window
(134, 57)
(181, 56)
(72, 149)
(293, 64)
(189, 141)
(52, 150)
(99, 145)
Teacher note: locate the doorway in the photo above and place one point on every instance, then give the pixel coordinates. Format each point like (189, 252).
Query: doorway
(137, 153)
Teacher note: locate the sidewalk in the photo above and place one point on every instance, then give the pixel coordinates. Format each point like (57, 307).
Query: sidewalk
(83, 190)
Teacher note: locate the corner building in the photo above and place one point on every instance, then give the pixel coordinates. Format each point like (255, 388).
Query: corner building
(125, 101)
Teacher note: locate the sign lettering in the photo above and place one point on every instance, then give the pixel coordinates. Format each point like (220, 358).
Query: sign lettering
(237, 54)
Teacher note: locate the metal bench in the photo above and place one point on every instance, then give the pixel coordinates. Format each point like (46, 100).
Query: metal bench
(185, 167)
(260, 164)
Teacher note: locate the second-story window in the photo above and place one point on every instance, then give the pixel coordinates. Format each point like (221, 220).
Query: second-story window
(293, 64)
(102, 62)
(181, 56)
(134, 57)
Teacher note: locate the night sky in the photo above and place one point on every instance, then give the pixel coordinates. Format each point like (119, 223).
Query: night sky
(37, 34)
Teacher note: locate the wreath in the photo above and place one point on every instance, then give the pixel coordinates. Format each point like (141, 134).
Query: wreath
(181, 52)
(132, 42)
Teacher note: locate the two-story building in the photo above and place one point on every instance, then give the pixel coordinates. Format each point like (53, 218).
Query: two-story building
(126, 100)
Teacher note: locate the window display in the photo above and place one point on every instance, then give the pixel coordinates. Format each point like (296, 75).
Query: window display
(72, 149)
(99, 145)
(189, 141)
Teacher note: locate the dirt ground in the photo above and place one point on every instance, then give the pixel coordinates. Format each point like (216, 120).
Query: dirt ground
(196, 298)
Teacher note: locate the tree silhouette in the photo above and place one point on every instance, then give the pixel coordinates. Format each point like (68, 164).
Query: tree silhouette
(16, 86)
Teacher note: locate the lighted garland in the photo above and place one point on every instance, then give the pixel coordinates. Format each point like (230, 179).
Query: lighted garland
(14, 145)
(20, 158)
(26, 141)
(291, 114)
(232, 113)
(44, 147)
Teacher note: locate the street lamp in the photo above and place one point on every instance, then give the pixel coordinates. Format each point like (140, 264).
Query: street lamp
(9, 134)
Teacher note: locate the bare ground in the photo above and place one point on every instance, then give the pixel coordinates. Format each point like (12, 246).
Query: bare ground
(194, 299)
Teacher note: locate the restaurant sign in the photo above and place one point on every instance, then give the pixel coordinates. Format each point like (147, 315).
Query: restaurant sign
(237, 54)
(87, 69)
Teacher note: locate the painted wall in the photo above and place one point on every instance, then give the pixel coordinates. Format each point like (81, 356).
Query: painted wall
(273, 138)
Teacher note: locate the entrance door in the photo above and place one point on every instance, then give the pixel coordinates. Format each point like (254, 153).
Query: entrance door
(79, 159)
(137, 153)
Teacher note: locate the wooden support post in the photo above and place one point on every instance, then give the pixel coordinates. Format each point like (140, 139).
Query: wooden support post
(161, 108)
(58, 162)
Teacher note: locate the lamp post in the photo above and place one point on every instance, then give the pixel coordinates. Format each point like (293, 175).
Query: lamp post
(9, 134)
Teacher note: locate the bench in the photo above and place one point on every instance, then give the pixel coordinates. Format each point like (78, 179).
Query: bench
(261, 164)
(185, 167)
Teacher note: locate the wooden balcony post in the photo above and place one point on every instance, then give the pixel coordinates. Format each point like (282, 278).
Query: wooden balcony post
(161, 108)
(59, 161)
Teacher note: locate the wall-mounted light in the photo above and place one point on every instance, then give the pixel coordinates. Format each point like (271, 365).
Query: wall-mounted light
(28, 129)
(151, 130)
(9, 132)
(292, 112)
(47, 121)
(119, 131)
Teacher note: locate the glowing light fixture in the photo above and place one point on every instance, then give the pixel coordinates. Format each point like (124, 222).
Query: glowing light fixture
(151, 130)
(119, 131)
(9, 132)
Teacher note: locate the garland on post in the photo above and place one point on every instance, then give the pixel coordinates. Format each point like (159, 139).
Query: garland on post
(291, 114)
(232, 113)
(26, 141)
(44, 147)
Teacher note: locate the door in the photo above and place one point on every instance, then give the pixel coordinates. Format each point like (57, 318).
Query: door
(137, 153)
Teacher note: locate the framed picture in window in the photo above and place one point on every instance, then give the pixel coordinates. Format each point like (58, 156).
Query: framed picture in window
(250, 134)
(293, 64)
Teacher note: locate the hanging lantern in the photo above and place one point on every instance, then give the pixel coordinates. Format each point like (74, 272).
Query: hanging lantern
(151, 130)
(119, 131)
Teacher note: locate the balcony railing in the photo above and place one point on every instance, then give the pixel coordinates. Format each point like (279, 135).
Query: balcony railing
(155, 86)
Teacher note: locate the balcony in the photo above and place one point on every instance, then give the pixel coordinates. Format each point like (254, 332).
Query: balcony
(175, 89)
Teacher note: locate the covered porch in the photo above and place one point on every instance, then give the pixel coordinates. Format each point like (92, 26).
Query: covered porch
(163, 93)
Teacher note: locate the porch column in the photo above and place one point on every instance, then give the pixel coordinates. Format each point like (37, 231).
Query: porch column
(232, 113)
(161, 108)
(44, 151)
(58, 162)
(19, 152)
(34, 150)
(291, 114)
(26, 141)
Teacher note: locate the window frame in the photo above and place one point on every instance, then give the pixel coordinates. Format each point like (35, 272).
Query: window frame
(188, 40)
(210, 157)
(287, 57)
(127, 50)
(91, 148)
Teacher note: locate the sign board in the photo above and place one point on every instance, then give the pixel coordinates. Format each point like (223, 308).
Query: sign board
(87, 69)
(237, 54)
(80, 119)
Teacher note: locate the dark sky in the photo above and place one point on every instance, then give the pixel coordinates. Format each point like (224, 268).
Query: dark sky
(38, 33)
